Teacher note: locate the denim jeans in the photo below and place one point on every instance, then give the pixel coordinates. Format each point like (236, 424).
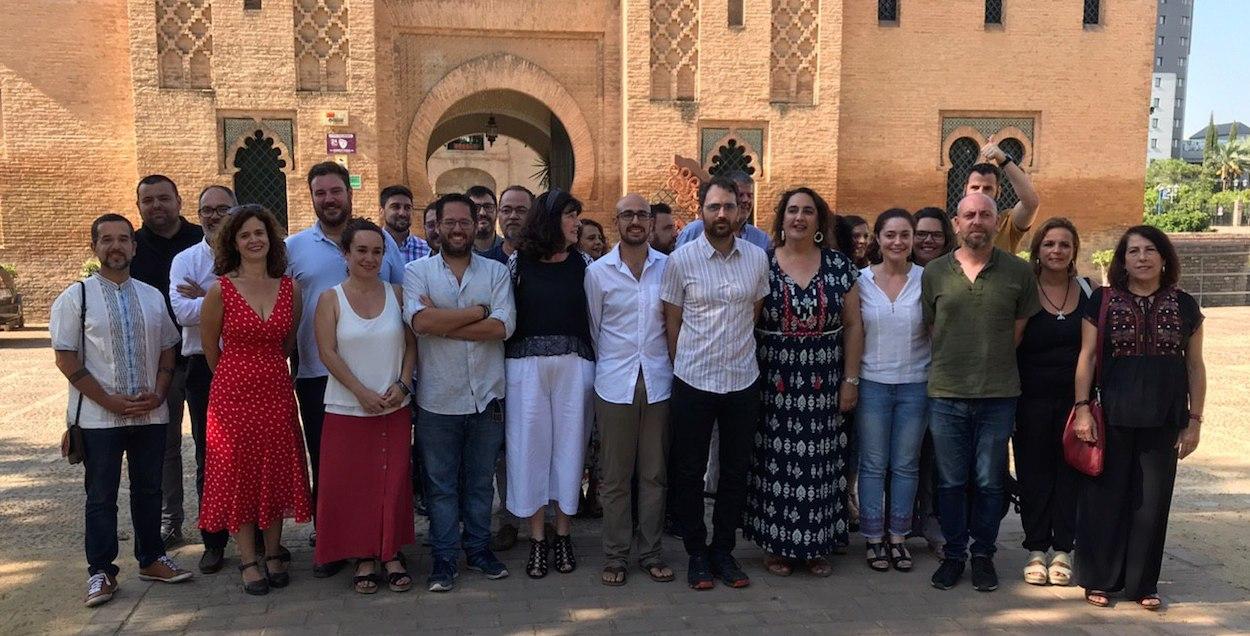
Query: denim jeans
(891, 420)
(970, 439)
(144, 448)
(459, 452)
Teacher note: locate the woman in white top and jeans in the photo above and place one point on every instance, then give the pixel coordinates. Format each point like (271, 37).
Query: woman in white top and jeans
(892, 401)
(364, 507)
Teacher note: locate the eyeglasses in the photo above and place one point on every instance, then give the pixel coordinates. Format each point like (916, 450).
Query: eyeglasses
(633, 215)
(717, 207)
(220, 210)
(930, 236)
(454, 223)
(486, 207)
(508, 210)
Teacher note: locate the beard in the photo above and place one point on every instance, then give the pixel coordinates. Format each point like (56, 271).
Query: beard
(333, 215)
(718, 229)
(399, 225)
(977, 240)
(454, 250)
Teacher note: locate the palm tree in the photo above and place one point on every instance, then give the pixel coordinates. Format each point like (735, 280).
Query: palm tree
(1230, 161)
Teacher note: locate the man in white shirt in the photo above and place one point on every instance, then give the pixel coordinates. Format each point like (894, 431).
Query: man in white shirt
(117, 351)
(633, 379)
(190, 276)
(713, 289)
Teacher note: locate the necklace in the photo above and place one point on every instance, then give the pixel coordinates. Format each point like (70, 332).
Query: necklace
(1058, 308)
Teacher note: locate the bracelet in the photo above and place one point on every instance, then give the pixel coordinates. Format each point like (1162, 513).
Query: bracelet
(1195, 417)
(78, 375)
(404, 387)
(1080, 403)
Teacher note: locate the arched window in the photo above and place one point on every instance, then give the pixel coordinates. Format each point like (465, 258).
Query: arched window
(963, 155)
(259, 177)
(1007, 197)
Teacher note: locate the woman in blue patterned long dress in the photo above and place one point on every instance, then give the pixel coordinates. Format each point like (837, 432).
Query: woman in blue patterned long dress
(797, 490)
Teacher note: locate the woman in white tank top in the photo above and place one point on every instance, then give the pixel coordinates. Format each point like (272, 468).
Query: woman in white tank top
(366, 440)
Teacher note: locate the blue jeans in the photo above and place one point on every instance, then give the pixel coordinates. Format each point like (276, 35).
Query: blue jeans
(459, 453)
(970, 440)
(144, 448)
(890, 424)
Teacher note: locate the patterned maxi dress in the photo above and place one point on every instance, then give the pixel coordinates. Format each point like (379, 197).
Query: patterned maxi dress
(254, 470)
(797, 489)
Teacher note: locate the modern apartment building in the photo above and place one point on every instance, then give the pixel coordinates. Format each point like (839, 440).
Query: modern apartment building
(1174, 25)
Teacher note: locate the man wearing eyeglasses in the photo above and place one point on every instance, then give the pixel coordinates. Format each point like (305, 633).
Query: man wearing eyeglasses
(485, 238)
(190, 276)
(514, 203)
(163, 235)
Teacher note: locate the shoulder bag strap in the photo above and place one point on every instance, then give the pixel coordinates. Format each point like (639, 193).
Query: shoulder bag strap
(1084, 285)
(82, 341)
(1102, 322)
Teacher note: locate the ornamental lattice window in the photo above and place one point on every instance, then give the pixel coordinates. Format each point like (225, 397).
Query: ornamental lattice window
(184, 43)
(1092, 13)
(994, 12)
(321, 45)
(795, 39)
(674, 49)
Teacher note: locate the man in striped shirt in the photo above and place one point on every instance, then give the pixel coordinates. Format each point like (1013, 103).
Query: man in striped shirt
(713, 289)
(396, 212)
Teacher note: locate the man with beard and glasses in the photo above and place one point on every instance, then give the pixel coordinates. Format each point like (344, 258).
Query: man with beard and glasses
(430, 224)
(316, 262)
(986, 178)
(663, 229)
(114, 341)
(976, 301)
(633, 380)
(484, 236)
(396, 212)
(461, 307)
(514, 203)
(742, 224)
(190, 276)
(163, 235)
(713, 289)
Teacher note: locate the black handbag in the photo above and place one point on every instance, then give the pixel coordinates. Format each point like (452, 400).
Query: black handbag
(71, 440)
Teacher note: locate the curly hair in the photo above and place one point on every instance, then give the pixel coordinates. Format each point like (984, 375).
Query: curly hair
(824, 217)
(541, 235)
(1117, 273)
(1035, 245)
(226, 256)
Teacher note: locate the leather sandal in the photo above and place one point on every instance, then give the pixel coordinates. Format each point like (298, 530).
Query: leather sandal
(1060, 570)
(659, 571)
(276, 579)
(778, 565)
(1097, 598)
(562, 550)
(1150, 602)
(398, 581)
(365, 583)
(613, 575)
(820, 567)
(1035, 572)
(536, 567)
(900, 556)
(878, 557)
(255, 588)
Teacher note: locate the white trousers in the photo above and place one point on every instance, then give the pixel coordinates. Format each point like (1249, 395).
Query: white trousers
(548, 416)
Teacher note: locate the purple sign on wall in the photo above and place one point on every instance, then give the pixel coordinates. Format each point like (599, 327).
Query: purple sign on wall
(341, 143)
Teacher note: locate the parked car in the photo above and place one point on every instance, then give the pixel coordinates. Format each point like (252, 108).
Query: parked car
(10, 303)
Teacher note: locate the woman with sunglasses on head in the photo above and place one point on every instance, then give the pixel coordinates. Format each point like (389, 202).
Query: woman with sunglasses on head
(550, 368)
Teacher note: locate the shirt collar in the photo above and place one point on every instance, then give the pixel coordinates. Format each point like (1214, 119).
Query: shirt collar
(613, 258)
(709, 251)
(108, 284)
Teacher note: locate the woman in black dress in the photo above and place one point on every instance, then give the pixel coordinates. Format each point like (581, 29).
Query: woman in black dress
(1046, 358)
(1153, 387)
(797, 488)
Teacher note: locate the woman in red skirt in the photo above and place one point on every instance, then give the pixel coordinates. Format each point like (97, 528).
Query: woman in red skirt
(254, 472)
(364, 503)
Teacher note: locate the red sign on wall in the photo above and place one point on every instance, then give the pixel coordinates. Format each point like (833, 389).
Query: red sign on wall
(341, 143)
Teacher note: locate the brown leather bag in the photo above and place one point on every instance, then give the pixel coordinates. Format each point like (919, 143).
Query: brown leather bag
(71, 440)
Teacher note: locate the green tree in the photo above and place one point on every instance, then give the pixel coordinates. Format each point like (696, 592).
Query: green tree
(1171, 172)
(1230, 161)
(1209, 147)
(1232, 132)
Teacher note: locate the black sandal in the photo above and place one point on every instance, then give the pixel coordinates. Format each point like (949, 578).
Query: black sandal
(277, 579)
(365, 583)
(563, 549)
(536, 567)
(900, 557)
(255, 588)
(613, 575)
(878, 557)
(398, 581)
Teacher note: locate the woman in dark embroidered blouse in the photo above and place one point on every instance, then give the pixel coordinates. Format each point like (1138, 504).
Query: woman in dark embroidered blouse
(1153, 386)
(550, 369)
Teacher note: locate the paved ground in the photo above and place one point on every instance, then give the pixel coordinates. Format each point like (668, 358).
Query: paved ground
(1206, 575)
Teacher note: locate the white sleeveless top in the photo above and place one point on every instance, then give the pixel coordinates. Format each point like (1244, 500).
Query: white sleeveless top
(372, 348)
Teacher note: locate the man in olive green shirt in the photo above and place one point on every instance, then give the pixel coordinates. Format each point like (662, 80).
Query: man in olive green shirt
(976, 301)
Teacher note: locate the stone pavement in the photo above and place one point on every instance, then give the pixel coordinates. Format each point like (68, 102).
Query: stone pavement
(1206, 575)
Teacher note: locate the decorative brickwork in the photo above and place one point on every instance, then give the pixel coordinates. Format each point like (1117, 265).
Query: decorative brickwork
(795, 36)
(321, 45)
(184, 43)
(674, 48)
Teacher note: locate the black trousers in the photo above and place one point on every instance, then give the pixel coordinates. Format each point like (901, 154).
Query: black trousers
(1047, 483)
(199, 380)
(693, 414)
(311, 395)
(1122, 515)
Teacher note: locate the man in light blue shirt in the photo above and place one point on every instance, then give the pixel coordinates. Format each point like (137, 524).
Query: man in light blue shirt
(746, 207)
(316, 262)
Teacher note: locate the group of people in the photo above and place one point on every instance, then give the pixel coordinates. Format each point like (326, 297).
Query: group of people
(822, 375)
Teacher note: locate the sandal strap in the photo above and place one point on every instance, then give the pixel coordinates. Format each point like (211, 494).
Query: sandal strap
(252, 564)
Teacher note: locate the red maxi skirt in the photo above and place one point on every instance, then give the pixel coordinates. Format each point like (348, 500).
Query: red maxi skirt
(364, 498)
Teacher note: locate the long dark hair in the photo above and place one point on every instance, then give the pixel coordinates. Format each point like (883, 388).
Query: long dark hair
(1035, 245)
(1117, 273)
(824, 217)
(226, 256)
(541, 236)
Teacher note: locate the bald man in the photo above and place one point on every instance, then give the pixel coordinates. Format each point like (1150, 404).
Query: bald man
(633, 380)
(976, 301)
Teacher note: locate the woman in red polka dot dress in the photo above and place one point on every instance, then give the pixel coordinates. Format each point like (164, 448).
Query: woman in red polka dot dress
(255, 473)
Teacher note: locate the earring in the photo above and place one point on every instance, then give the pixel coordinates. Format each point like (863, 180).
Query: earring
(819, 237)
(783, 236)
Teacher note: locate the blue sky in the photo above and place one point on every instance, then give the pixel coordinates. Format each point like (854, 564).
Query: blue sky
(1219, 64)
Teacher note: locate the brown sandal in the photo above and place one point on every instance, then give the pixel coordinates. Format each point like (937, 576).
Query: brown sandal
(613, 575)
(779, 566)
(1097, 598)
(1146, 602)
(656, 572)
(820, 566)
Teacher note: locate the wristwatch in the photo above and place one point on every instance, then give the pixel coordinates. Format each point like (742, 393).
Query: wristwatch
(851, 380)
(485, 311)
(1006, 160)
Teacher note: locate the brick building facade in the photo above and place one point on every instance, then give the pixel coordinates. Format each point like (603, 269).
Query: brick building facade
(871, 111)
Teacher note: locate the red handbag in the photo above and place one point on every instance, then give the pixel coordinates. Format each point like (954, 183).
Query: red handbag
(1083, 456)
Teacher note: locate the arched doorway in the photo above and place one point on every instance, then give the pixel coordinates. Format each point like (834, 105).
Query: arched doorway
(259, 176)
(527, 104)
(461, 179)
